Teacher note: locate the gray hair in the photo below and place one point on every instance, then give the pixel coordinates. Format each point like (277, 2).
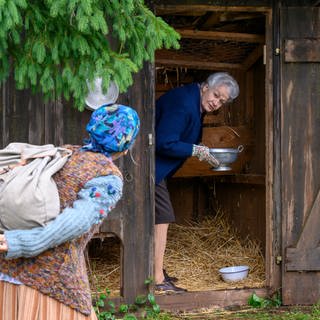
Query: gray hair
(223, 78)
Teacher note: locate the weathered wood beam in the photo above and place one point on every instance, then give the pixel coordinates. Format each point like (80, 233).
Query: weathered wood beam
(302, 50)
(216, 35)
(197, 64)
(302, 260)
(309, 237)
(195, 300)
(253, 57)
(206, 299)
(179, 9)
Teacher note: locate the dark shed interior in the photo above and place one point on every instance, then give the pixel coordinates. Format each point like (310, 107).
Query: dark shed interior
(230, 40)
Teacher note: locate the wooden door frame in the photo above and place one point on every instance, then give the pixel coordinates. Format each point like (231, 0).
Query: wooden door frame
(273, 254)
(272, 181)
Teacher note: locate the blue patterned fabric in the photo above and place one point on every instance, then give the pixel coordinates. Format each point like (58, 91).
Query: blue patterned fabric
(112, 128)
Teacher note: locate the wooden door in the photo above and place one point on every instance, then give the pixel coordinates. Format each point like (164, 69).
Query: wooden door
(300, 154)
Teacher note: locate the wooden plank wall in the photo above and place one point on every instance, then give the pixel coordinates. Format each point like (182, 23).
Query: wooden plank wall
(26, 117)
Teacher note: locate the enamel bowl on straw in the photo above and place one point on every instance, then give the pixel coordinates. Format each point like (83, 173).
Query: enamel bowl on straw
(235, 273)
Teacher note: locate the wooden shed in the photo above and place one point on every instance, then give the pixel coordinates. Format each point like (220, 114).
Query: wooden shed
(272, 193)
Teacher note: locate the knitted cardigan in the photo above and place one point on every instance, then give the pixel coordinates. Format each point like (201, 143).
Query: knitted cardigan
(60, 272)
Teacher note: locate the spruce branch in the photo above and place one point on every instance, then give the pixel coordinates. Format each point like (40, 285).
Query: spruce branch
(56, 46)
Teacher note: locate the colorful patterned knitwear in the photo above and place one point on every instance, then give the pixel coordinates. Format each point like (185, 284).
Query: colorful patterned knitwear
(60, 272)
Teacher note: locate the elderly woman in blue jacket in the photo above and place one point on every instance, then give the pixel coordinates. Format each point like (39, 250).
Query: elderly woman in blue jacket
(179, 117)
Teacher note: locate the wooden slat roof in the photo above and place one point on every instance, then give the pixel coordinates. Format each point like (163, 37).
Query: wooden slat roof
(213, 38)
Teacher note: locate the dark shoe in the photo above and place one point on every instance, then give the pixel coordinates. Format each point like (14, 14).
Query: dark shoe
(168, 287)
(169, 278)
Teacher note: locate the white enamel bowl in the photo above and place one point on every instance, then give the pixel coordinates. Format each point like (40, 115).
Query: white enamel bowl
(235, 273)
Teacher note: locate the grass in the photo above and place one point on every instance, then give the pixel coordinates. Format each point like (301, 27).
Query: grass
(279, 313)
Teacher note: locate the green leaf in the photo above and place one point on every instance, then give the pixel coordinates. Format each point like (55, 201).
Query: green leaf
(100, 303)
(148, 281)
(141, 299)
(102, 296)
(19, 3)
(151, 298)
(106, 315)
(32, 74)
(15, 35)
(86, 6)
(129, 317)
(156, 308)
(108, 292)
(39, 51)
(13, 11)
(123, 308)
(255, 301)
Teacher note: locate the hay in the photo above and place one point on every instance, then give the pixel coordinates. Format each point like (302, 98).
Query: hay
(195, 252)
(104, 266)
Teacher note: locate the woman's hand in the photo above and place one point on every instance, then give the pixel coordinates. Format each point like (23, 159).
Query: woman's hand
(203, 153)
(3, 243)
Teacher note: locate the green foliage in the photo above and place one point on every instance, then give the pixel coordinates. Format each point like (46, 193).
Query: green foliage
(259, 302)
(144, 307)
(53, 46)
(278, 313)
(292, 313)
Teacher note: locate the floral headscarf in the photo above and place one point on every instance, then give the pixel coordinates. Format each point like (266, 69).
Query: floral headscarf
(112, 128)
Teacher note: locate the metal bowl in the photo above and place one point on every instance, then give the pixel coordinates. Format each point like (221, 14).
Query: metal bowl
(225, 156)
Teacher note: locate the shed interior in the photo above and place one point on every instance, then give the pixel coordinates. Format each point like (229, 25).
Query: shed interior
(233, 40)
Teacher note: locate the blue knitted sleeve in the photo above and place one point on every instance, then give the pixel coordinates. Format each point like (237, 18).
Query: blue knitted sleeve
(95, 200)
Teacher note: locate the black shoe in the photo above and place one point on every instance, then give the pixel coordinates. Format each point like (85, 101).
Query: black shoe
(169, 278)
(168, 287)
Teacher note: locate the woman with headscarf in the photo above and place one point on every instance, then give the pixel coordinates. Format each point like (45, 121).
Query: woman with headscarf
(42, 270)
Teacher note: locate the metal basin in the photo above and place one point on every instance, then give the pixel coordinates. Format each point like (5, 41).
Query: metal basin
(226, 156)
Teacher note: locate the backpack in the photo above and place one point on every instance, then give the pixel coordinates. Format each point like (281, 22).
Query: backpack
(28, 194)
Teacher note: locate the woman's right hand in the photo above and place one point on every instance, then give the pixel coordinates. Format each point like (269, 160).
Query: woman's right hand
(3, 243)
(203, 154)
